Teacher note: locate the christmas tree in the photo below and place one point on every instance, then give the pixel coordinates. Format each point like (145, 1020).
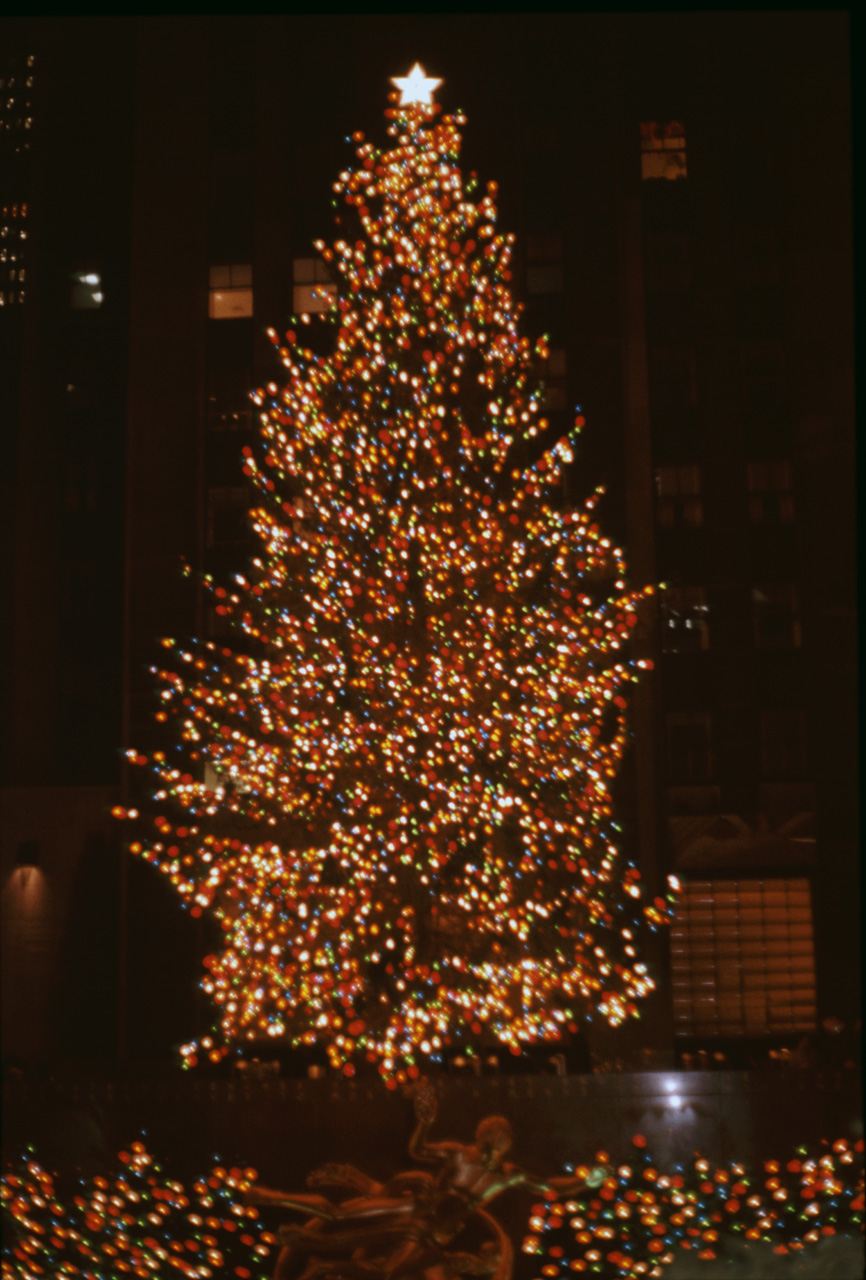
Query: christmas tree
(392, 791)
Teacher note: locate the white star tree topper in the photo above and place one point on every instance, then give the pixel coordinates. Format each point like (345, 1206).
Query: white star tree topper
(416, 87)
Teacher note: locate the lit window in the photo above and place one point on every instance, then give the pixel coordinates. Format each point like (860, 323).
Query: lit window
(771, 500)
(231, 292)
(12, 235)
(742, 958)
(678, 490)
(776, 614)
(314, 287)
(86, 291)
(16, 104)
(555, 381)
(689, 745)
(662, 150)
(684, 619)
(783, 743)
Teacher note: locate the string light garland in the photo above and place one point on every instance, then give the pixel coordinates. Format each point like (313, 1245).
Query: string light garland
(139, 1222)
(641, 1219)
(392, 792)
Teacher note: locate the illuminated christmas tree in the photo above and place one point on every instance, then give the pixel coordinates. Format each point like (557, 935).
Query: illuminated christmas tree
(393, 789)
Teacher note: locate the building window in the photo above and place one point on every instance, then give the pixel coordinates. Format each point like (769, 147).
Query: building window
(540, 137)
(689, 744)
(771, 498)
(685, 620)
(763, 359)
(86, 291)
(667, 262)
(231, 292)
(16, 103)
(229, 413)
(13, 234)
(544, 262)
(229, 407)
(673, 381)
(783, 743)
(742, 958)
(779, 802)
(763, 365)
(555, 381)
(776, 613)
(662, 150)
(227, 517)
(80, 488)
(678, 490)
(314, 287)
(757, 256)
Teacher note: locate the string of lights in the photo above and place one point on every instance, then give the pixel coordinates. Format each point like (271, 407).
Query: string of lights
(141, 1222)
(138, 1222)
(642, 1218)
(392, 792)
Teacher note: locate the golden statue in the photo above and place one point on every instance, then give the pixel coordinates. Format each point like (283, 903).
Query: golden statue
(402, 1230)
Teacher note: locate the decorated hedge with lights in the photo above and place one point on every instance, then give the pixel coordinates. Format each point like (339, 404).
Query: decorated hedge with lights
(642, 1218)
(392, 788)
(140, 1222)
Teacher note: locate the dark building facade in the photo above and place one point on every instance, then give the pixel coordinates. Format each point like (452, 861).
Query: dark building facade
(681, 197)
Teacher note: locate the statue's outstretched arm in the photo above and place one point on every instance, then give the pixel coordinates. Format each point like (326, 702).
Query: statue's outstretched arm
(303, 1201)
(345, 1175)
(568, 1184)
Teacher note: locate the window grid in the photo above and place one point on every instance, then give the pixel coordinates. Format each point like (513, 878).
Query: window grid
(227, 517)
(314, 290)
(783, 743)
(770, 486)
(231, 292)
(16, 103)
(673, 379)
(544, 262)
(662, 150)
(678, 490)
(13, 270)
(556, 380)
(667, 262)
(742, 958)
(685, 620)
(776, 614)
(229, 413)
(689, 746)
(757, 255)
